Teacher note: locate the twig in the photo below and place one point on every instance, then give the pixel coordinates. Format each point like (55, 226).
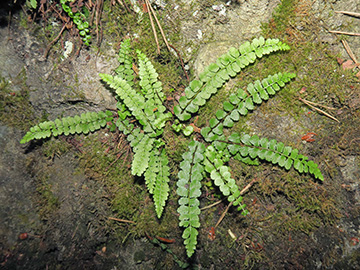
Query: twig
(242, 192)
(73, 235)
(353, 140)
(248, 186)
(211, 205)
(181, 61)
(122, 220)
(223, 215)
(151, 12)
(354, 14)
(52, 42)
(97, 13)
(152, 25)
(317, 104)
(159, 25)
(125, 5)
(317, 109)
(350, 53)
(344, 33)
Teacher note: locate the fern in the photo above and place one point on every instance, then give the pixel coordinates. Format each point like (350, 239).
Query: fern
(240, 103)
(216, 74)
(85, 123)
(147, 107)
(244, 148)
(272, 151)
(125, 68)
(161, 182)
(134, 101)
(79, 20)
(220, 174)
(141, 116)
(189, 184)
(142, 149)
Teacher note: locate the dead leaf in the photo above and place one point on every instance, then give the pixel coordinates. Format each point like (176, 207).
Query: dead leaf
(348, 64)
(303, 90)
(340, 60)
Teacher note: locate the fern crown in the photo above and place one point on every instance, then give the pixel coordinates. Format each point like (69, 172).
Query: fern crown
(143, 100)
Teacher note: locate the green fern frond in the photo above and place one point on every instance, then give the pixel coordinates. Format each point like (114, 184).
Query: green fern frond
(142, 148)
(151, 88)
(147, 107)
(161, 182)
(216, 74)
(240, 103)
(85, 123)
(125, 69)
(134, 101)
(220, 174)
(272, 151)
(189, 184)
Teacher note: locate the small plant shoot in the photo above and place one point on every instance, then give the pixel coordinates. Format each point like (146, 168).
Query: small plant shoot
(142, 117)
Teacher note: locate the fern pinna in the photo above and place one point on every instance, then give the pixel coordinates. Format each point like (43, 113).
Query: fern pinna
(142, 100)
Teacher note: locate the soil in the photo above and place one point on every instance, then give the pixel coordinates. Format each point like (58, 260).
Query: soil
(54, 213)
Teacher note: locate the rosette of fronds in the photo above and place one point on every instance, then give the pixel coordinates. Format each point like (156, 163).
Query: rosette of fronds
(141, 116)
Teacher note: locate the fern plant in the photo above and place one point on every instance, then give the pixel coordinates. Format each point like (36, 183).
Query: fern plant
(206, 157)
(79, 20)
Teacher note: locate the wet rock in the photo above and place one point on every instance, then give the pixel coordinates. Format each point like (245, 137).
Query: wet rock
(241, 21)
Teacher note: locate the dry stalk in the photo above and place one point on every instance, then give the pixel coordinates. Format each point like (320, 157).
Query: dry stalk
(344, 33)
(242, 192)
(310, 104)
(53, 42)
(152, 25)
(211, 205)
(354, 14)
(122, 220)
(350, 53)
(159, 25)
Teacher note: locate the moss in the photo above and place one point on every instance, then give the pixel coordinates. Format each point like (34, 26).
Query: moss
(14, 102)
(280, 20)
(46, 201)
(109, 162)
(55, 147)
